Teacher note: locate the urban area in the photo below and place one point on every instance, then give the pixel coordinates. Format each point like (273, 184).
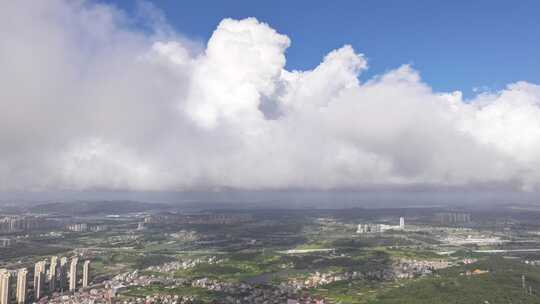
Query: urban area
(132, 252)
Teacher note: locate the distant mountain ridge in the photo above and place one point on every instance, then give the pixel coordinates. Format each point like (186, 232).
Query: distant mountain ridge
(96, 207)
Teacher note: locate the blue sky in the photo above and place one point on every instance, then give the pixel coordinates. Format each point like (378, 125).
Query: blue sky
(456, 45)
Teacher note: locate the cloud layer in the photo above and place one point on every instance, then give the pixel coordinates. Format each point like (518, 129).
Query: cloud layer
(91, 100)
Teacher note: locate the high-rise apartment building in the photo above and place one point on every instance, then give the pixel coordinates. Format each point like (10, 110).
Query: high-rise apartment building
(86, 273)
(39, 278)
(4, 286)
(446, 218)
(62, 274)
(52, 273)
(73, 274)
(22, 276)
(23, 223)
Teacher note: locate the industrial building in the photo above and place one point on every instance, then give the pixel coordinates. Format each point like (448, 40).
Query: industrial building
(378, 228)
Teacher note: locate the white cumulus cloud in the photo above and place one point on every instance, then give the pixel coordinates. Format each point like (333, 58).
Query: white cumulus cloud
(89, 100)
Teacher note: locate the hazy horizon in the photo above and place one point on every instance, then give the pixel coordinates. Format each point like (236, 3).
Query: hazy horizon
(291, 198)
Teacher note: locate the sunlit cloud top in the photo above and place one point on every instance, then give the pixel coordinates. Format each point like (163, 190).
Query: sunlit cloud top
(88, 101)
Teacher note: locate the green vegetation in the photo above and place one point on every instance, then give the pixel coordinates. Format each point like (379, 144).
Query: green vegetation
(147, 260)
(30, 249)
(502, 284)
(257, 252)
(357, 291)
(236, 267)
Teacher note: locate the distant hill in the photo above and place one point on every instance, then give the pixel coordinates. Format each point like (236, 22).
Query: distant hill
(96, 207)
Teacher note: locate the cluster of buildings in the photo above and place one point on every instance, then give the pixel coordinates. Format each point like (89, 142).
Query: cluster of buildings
(474, 272)
(406, 268)
(318, 279)
(182, 264)
(5, 242)
(185, 235)
(532, 262)
(287, 292)
(400, 269)
(82, 296)
(378, 228)
(473, 239)
(306, 299)
(164, 299)
(233, 292)
(239, 292)
(243, 293)
(446, 218)
(56, 275)
(19, 223)
(208, 219)
(85, 227)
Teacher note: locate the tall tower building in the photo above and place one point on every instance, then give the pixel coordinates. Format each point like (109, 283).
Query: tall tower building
(86, 273)
(4, 286)
(39, 278)
(52, 273)
(73, 274)
(63, 273)
(38, 285)
(402, 223)
(22, 275)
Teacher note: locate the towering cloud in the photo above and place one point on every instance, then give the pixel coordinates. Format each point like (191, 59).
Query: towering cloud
(90, 101)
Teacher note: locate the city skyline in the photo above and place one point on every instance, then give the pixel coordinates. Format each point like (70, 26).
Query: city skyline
(45, 282)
